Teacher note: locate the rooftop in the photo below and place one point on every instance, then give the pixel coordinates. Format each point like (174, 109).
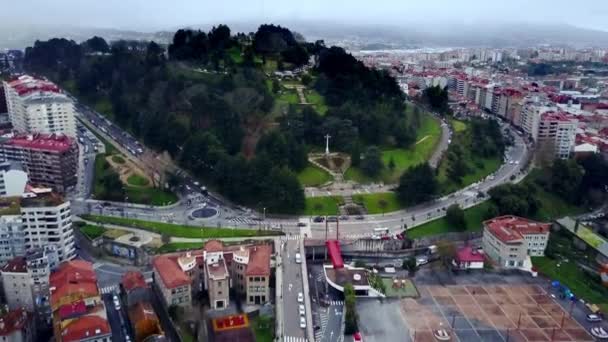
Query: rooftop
(10, 206)
(259, 260)
(468, 254)
(49, 199)
(86, 327)
(13, 320)
(44, 142)
(15, 265)
(143, 311)
(343, 276)
(511, 228)
(217, 270)
(25, 85)
(170, 272)
(212, 246)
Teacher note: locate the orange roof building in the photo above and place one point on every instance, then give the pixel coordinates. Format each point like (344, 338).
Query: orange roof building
(173, 282)
(145, 321)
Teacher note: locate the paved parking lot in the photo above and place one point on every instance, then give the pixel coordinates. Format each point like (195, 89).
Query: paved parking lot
(475, 312)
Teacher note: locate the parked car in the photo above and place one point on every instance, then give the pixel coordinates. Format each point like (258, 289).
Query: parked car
(302, 322)
(298, 258)
(300, 297)
(319, 219)
(302, 309)
(360, 217)
(116, 302)
(332, 219)
(594, 318)
(301, 224)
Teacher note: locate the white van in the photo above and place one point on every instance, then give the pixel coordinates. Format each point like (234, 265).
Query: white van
(298, 258)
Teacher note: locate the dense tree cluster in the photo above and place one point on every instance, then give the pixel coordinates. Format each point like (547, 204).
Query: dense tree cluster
(514, 199)
(351, 318)
(201, 46)
(436, 98)
(417, 184)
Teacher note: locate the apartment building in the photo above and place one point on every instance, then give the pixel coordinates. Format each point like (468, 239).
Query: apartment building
(17, 284)
(49, 160)
(12, 179)
(217, 279)
(47, 220)
(510, 240)
(40, 262)
(531, 112)
(556, 135)
(78, 311)
(12, 234)
(39, 106)
(173, 281)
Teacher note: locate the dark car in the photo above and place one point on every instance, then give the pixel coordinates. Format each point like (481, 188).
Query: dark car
(344, 217)
(360, 217)
(319, 219)
(301, 224)
(332, 219)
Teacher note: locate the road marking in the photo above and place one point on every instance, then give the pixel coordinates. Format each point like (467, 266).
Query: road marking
(294, 339)
(108, 289)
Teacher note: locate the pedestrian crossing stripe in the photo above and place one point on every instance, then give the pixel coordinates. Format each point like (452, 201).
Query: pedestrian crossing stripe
(294, 339)
(108, 289)
(336, 302)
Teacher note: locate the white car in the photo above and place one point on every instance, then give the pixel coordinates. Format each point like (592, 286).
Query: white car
(300, 297)
(116, 302)
(302, 322)
(298, 258)
(302, 309)
(594, 318)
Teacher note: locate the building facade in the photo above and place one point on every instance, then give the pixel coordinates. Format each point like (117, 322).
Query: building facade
(49, 160)
(12, 179)
(39, 106)
(172, 282)
(17, 284)
(510, 240)
(40, 263)
(47, 220)
(12, 237)
(556, 135)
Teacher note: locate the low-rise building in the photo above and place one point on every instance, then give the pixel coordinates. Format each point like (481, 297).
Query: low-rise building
(468, 258)
(78, 312)
(172, 281)
(509, 241)
(17, 326)
(144, 321)
(217, 280)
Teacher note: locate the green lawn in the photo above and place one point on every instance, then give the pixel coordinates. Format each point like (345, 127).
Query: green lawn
(137, 180)
(317, 101)
(270, 66)
(372, 202)
(263, 328)
(91, 231)
(406, 290)
(328, 205)
(458, 126)
(153, 196)
(235, 54)
(177, 230)
(553, 206)
(473, 217)
(118, 159)
(289, 96)
(488, 166)
(313, 176)
(427, 138)
(570, 274)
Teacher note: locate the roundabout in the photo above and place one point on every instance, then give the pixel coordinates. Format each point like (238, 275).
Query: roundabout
(204, 213)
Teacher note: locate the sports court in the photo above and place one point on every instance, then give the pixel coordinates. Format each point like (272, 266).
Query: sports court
(489, 313)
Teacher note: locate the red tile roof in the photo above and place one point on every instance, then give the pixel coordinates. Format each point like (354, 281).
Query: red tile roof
(14, 320)
(510, 228)
(259, 260)
(468, 254)
(15, 265)
(25, 85)
(73, 280)
(86, 327)
(212, 246)
(170, 273)
(44, 142)
(72, 310)
(132, 280)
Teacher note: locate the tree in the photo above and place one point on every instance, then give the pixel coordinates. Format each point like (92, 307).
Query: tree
(165, 238)
(276, 86)
(437, 98)
(566, 179)
(417, 184)
(391, 164)
(455, 217)
(306, 79)
(382, 203)
(515, 199)
(350, 317)
(410, 265)
(457, 167)
(372, 163)
(96, 44)
(355, 155)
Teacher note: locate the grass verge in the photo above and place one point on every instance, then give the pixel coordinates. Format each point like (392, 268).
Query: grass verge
(177, 230)
(138, 180)
(326, 205)
(91, 231)
(473, 218)
(313, 176)
(379, 203)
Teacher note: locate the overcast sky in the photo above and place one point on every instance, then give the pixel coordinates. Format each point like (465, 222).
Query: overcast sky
(164, 14)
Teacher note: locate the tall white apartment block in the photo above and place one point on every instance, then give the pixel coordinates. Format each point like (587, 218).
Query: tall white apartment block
(558, 131)
(39, 106)
(47, 220)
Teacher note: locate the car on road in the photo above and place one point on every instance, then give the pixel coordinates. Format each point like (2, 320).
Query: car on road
(300, 297)
(332, 219)
(360, 218)
(593, 318)
(298, 258)
(301, 224)
(302, 322)
(116, 302)
(301, 309)
(344, 217)
(318, 219)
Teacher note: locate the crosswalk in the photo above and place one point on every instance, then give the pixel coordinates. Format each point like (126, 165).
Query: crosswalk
(290, 237)
(293, 339)
(323, 323)
(336, 302)
(109, 289)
